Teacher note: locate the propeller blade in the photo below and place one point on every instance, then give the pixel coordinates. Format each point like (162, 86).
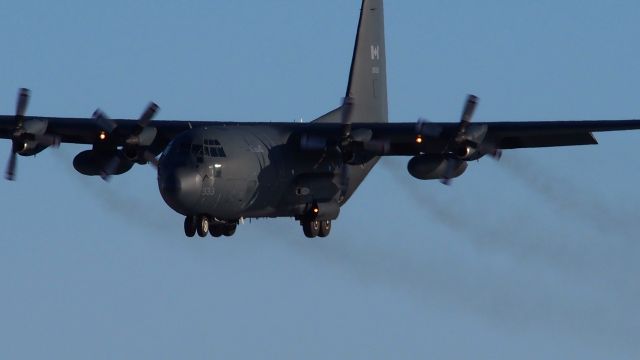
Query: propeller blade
(448, 174)
(467, 113)
(454, 169)
(344, 181)
(347, 107)
(23, 102)
(141, 134)
(11, 166)
(425, 127)
(147, 116)
(143, 138)
(103, 121)
(110, 168)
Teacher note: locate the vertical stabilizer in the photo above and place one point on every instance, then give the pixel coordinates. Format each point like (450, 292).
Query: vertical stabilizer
(366, 92)
(367, 88)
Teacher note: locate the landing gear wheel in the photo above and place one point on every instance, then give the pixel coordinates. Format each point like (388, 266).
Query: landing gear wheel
(229, 229)
(325, 228)
(202, 226)
(190, 226)
(311, 228)
(216, 230)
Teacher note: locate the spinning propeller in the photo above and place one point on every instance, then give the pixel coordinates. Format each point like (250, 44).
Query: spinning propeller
(345, 146)
(457, 147)
(28, 136)
(467, 143)
(136, 141)
(349, 147)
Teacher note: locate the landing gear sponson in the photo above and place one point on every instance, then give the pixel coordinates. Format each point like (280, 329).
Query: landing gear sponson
(203, 225)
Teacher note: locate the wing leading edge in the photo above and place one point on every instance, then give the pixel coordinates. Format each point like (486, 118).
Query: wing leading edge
(401, 137)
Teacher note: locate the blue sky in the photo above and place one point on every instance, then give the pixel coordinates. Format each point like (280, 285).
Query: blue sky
(533, 257)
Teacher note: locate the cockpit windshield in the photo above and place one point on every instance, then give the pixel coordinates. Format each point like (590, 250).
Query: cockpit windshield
(210, 148)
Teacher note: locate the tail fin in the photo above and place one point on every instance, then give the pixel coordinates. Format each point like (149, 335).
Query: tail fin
(367, 89)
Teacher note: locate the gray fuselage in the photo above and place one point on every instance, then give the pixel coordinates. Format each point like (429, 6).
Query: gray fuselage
(233, 172)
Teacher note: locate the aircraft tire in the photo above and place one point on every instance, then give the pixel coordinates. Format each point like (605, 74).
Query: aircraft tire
(202, 226)
(229, 229)
(311, 228)
(325, 228)
(190, 226)
(216, 230)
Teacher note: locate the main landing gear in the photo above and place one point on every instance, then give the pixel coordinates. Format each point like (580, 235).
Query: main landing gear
(203, 225)
(314, 228)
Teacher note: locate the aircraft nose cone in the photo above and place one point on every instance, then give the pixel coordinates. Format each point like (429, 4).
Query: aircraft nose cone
(180, 189)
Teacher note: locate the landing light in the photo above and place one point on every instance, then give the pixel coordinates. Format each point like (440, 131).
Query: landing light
(217, 166)
(419, 139)
(102, 136)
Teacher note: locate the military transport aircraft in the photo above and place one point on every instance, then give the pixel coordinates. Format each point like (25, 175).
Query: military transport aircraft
(218, 173)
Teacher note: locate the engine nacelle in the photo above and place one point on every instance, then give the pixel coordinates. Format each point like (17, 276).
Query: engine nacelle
(425, 167)
(30, 147)
(92, 163)
(33, 138)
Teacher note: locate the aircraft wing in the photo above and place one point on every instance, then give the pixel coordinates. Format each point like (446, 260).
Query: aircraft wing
(400, 138)
(117, 144)
(88, 130)
(410, 139)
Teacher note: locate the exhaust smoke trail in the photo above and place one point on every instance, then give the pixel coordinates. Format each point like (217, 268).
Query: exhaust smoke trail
(508, 295)
(456, 217)
(135, 210)
(530, 295)
(523, 234)
(568, 196)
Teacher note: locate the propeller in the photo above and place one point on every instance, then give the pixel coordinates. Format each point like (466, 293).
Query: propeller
(138, 138)
(26, 134)
(459, 139)
(345, 146)
(349, 147)
(354, 146)
(466, 141)
(21, 108)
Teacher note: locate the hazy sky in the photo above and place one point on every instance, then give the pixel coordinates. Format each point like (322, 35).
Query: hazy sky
(535, 257)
